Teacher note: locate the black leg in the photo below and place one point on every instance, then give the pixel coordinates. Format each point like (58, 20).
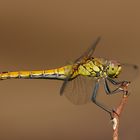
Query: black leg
(108, 91)
(115, 82)
(95, 91)
(120, 88)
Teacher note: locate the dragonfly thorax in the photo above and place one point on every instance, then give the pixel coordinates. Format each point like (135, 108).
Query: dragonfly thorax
(93, 67)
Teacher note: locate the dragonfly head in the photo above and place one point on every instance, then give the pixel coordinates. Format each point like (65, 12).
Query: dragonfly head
(113, 69)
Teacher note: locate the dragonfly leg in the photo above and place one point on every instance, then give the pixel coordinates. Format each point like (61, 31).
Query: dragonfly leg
(107, 89)
(116, 82)
(95, 91)
(117, 90)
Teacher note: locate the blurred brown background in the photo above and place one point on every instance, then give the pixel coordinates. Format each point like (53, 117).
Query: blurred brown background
(46, 34)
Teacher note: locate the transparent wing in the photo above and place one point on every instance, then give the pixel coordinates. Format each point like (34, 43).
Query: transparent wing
(89, 52)
(86, 55)
(79, 90)
(129, 72)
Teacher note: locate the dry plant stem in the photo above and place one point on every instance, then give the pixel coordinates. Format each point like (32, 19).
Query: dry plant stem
(117, 113)
(116, 116)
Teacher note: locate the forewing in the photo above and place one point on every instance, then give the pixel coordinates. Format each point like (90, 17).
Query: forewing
(79, 90)
(89, 52)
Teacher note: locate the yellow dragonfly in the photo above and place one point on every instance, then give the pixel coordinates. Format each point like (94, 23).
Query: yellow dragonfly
(82, 78)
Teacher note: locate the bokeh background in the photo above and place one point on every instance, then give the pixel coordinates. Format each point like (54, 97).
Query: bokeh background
(46, 34)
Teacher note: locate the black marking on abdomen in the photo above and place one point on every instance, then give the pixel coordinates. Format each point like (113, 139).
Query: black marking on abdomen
(4, 72)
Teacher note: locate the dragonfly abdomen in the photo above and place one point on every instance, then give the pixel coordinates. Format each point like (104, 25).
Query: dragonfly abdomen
(59, 73)
(20, 74)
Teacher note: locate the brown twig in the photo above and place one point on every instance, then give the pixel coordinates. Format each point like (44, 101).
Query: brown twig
(117, 113)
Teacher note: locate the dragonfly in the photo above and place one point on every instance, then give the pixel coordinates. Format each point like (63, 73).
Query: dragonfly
(82, 78)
